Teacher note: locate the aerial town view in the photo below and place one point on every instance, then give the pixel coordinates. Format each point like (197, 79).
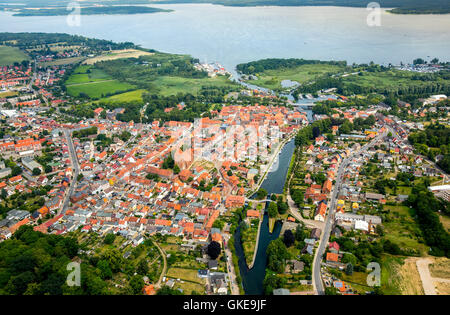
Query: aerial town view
(224, 148)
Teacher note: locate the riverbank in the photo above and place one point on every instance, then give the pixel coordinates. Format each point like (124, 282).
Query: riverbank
(257, 242)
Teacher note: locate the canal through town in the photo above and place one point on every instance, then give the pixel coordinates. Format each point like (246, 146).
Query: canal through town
(252, 279)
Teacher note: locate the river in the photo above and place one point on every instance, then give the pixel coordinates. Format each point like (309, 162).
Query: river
(252, 280)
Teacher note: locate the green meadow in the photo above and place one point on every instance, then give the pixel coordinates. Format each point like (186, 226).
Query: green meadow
(99, 89)
(10, 55)
(94, 82)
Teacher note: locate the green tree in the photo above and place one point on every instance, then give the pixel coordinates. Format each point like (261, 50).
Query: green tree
(261, 194)
(143, 267)
(137, 284)
(276, 255)
(105, 270)
(36, 171)
(349, 269)
(272, 210)
(109, 238)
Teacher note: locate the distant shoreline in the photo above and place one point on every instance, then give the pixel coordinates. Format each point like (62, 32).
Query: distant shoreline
(107, 10)
(139, 8)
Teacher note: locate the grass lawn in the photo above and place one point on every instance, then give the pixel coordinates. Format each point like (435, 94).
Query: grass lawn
(9, 93)
(402, 229)
(189, 287)
(272, 78)
(248, 239)
(95, 83)
(183, 274)
(401, 190)
(94, 75)
(9, 55)
(170, 247)
(390, 278)
(358, 281)
(189, 263)
(98, 89)
(125, 97)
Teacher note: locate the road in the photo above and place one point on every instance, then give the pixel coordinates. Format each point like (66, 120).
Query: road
(75, 168)
(425, 276)
(317, 277)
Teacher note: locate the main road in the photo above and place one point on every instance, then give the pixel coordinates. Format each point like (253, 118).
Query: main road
(317, 277)
(76, 171)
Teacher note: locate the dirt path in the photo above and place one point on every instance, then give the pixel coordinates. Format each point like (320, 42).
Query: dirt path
(425, 276)
(163, 254)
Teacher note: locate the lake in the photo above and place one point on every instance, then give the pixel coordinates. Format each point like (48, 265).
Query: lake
(232, 35)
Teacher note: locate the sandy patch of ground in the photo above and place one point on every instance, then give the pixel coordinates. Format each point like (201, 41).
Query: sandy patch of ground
(410, 283)
(440, 268)
(442, 288)
(435, 275)
(117, 54)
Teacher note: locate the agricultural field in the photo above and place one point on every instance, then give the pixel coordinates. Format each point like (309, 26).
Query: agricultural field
(271, 79)
(10, 55)
(117, 54)
(61, 62)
